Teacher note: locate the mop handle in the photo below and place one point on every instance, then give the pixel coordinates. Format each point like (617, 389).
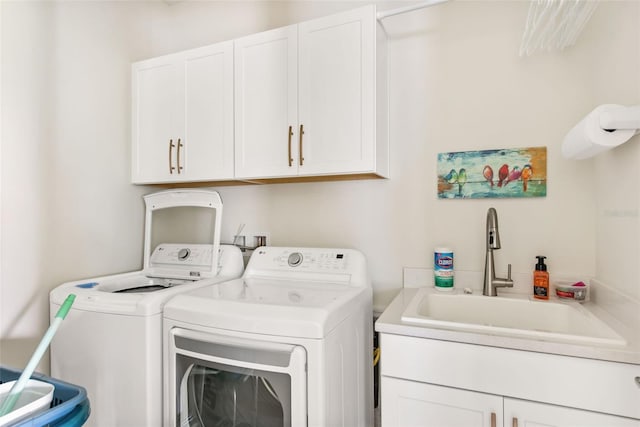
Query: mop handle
(17, 388)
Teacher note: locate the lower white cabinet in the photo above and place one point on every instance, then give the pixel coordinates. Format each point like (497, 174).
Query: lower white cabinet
(411, 403)
(430, 382)
(534, 414)
(414, 404)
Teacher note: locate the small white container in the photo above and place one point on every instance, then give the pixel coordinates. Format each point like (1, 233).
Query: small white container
(568, 290)
(34, 399)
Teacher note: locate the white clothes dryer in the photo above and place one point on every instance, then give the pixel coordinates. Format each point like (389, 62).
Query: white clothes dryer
(111, 342)
(288, 344)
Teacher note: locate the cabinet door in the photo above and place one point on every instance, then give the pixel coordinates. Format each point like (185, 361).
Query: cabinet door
(523, 413)
(266, 79)
(157, 117)
(207, 152)
(183, 116)
(414, 404)
(337, 92)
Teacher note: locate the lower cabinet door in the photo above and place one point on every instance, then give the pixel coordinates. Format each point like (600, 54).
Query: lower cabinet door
(521, 413)
(413, 404)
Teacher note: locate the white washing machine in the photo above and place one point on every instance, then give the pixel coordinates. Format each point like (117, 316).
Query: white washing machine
(288, 344)
(111, 340)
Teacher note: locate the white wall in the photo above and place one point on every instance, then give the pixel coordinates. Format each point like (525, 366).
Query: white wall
(456, 83)
(68, 210)
(618, 183)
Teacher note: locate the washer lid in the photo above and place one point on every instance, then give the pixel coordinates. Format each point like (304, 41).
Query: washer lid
(276, 307)
(182, 234)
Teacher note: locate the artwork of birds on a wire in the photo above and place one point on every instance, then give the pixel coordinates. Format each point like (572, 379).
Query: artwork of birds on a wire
(505, 176)
(470, 174)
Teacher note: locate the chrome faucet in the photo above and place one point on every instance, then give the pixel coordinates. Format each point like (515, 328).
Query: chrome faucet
(491, 282)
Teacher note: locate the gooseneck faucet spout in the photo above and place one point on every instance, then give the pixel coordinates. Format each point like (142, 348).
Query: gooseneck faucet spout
(491, 282)
(493, 236)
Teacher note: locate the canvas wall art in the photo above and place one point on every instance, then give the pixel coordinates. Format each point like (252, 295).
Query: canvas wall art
(508, 172)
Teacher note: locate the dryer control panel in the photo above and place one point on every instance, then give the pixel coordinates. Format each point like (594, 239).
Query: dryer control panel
(313, 260)
(341, 265)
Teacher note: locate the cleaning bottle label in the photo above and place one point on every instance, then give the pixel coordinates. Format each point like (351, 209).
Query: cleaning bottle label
(540, 286)
(443, 268)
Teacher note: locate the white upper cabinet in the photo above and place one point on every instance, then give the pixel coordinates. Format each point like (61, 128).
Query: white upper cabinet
(301, 101)
(183, 116)
(266, 104)
(336, 59)
(305, 99)
(156, 113)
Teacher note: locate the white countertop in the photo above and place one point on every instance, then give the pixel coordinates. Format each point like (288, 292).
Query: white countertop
(390, 323)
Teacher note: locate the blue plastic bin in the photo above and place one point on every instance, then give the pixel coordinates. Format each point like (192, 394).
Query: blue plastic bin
(69, 406)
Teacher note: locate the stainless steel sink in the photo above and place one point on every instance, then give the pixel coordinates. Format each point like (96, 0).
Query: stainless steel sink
(520, 316)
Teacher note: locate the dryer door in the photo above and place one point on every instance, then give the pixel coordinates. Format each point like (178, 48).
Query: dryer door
(223, 381)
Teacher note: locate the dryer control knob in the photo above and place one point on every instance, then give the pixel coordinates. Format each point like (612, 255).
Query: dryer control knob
(295, 259)
(184, 253)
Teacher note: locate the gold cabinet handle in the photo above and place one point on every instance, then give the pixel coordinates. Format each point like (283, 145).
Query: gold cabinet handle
(493, 419)
(180, 145)
(171, 145)
(300, 147)
(290, 135)
(514, 422)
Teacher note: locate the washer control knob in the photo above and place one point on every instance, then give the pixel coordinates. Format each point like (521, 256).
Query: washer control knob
(184, 253)
(295, 259)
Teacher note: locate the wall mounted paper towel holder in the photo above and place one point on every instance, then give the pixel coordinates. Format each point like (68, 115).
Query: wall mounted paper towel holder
(604, 128)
